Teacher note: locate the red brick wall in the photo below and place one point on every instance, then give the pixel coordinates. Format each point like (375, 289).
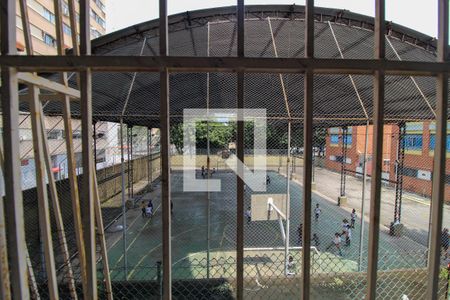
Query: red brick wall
(421, 161)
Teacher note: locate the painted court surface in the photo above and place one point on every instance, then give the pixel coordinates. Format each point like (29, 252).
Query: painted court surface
(190, 243)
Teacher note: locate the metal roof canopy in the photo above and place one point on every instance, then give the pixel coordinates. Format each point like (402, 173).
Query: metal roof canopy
(338, 99)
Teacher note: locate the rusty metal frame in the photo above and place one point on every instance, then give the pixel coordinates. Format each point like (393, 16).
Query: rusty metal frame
(378, 118)
(164, 64)
(438, 188)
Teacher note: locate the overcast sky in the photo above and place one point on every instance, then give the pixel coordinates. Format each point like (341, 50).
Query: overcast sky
(420, 15)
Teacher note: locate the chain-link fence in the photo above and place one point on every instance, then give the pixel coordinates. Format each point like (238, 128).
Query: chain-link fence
(204, 223)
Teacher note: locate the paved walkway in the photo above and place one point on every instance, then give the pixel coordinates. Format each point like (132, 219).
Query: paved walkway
(415, 209)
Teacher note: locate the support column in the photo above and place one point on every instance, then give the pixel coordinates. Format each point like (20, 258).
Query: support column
(94, 125)
(399, 172)
(165, 153)
(131, 163)
(288, 199)
(240, 156)
(208, 168)
(307, 156)
(342, 200)
(88, 188)
(124, 209)
(363, 199)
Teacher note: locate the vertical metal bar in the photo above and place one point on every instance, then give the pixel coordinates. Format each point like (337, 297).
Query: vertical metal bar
(54, 193)
(31, 278)
(131, 162)
(208, 166)
(15, 228)
(151, 159)
(94, 125)
(399, 172)
(128, 162)
(88, 182)
(102, 240)
(165, 152)
(73, 27)
(34, 93)
(5, 291)
(440, 152)
(363, 198)
(377, 161)
(240, 156)
(124, 209)
(41, 186)
(288, 199)
(74, 193)
(307, 144)
(62, 241)
(149, 142)
(71, 166)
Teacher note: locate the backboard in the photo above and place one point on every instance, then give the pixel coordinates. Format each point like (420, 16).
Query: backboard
(259, 206)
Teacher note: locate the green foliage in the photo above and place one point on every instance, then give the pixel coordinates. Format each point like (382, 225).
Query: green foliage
(221, 134)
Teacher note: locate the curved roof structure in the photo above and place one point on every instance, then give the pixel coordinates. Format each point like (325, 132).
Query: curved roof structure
(271, 31)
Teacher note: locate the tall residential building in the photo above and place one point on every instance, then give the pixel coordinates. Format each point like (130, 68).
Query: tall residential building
(42, 24)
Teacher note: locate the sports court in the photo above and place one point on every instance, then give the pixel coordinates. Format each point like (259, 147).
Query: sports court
(262, 238)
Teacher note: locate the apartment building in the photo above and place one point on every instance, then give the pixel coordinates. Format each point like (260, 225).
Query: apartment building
(419, 143)
(42, 24)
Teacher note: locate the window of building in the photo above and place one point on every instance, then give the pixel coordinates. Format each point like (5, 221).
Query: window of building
(48, 39)
(65, 9)
(100, 5)
(55, 134)
(25, 134)
(334, 139)
(66, 29)
(413, 142)
(101, 156)
(410, 172)
(348, 139)
(48, 15)
(433, 142)
(95, 33)
(98, 19)
(76, 134)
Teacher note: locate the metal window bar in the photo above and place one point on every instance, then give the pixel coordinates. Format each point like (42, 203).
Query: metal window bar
(165, 153)
(378, 118)
(438, 188)
(308, 65)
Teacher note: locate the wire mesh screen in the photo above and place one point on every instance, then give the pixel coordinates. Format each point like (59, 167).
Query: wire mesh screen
(126, 111)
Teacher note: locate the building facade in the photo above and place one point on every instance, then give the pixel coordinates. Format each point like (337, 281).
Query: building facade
(41, 14)
(418, 151)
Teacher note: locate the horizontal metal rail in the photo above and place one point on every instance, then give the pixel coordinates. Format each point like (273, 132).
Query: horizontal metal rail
(221, 64)
(280, 248)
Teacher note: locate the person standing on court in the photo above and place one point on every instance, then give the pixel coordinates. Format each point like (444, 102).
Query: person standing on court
(346, 231)
(317, 212)
(203, 171)
(337, 242)
(248, 215)
(315, 239)
(149, 208)
(143, 206)
(353, 218)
